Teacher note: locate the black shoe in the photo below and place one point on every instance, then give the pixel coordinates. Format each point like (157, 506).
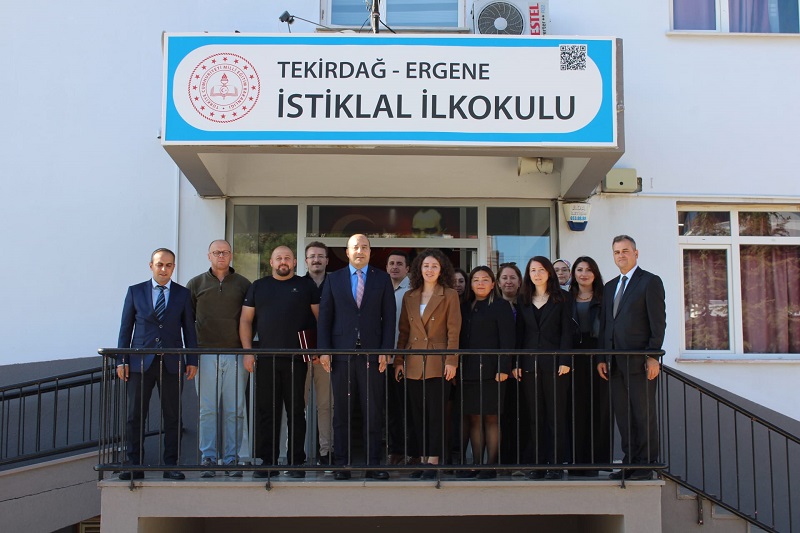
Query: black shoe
(466, 474)
(297, 474)
(377, 474)
(341, 475)
(429, 474)
(534, 474)
(324, 460)
(174, 475)
(416, 474)
(487, 474)
(263, 474)
(616, 475)
(640, 475)
(126, 476)
(554, 474)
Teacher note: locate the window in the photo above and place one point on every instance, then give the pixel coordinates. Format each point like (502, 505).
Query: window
(391, 222)
(515, 234)
(741, 280)
(736, 16)
(398, 13)
(257, 230)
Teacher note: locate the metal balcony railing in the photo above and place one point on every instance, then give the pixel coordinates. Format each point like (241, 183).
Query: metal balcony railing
(50, 416)
(571, 433)
(729, 455)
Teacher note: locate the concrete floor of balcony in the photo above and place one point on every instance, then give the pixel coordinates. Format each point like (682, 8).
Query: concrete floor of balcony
(244, 504)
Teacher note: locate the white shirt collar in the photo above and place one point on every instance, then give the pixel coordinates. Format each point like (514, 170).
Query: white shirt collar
(155, 284)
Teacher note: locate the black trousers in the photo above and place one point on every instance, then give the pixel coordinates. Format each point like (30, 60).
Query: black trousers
(280, 384)
(514, 425)
(403, 438)
(546, 395)
(348, 376)
(633, 398)
(139, 390)
(591, 409)
(427, 398)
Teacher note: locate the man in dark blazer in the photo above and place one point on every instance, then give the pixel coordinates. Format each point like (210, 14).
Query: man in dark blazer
(357, 311)
(633, 317)
(156, 314)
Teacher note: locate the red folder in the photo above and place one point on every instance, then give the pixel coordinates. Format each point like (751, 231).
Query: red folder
(308, 341)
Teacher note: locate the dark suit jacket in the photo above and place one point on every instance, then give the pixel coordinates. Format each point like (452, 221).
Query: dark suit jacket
(641, 318)
(554, 331)
(437, 329)
(140, 328)
(341, 323)
(486, 326)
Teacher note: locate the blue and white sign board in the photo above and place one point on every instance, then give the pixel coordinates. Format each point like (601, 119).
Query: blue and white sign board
(382, 90)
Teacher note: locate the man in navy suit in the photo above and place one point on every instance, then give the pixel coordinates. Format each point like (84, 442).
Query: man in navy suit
(633, 317)
(156, 314)
(357, 311)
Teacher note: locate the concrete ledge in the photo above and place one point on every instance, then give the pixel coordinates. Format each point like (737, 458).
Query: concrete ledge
(51, 495)
(639, 504)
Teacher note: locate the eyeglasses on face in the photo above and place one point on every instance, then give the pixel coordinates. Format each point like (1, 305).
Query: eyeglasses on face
(221, 253)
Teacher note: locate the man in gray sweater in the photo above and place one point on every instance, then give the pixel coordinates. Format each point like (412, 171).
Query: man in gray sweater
(217, 297)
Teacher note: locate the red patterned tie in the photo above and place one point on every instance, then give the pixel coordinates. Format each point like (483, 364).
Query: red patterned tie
(359, 288)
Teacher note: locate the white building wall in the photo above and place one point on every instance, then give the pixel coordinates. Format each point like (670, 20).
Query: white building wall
(89, 192)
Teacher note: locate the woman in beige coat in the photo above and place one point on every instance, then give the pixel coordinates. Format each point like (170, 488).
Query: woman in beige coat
(430, 319)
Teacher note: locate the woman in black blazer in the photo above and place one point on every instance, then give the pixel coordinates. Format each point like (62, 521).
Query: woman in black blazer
(544, 322)
(487, 323)
(591, 423)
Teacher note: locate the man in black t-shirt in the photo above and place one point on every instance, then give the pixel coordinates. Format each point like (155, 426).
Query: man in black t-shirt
(282, 305)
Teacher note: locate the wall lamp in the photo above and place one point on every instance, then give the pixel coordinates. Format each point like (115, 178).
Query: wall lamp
(289, 19)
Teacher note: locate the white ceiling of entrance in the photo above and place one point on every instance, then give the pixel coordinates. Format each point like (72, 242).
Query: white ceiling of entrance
(234, 172)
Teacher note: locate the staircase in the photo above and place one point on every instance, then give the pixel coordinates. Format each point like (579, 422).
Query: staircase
(725, 454)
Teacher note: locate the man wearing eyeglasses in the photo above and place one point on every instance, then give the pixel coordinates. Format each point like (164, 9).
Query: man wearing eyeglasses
(316, 263)
(217, 297)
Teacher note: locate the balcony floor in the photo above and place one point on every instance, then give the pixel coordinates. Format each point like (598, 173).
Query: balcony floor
(218, 504)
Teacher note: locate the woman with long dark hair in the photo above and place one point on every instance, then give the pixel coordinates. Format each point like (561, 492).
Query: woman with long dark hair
(487, 324)
(591, 422)
(513, 421)
(544, 322)
(430, 319)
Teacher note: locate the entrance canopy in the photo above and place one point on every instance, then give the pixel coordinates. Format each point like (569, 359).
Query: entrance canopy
(242, 111)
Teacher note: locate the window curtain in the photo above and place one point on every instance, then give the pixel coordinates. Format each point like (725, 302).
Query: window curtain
(749, 16)
(705, 278)
(694, 15)
(770, 298)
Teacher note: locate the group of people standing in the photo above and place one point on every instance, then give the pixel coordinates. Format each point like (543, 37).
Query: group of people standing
(542, 407)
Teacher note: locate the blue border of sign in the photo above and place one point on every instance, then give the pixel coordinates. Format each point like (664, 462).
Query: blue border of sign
(599, 132)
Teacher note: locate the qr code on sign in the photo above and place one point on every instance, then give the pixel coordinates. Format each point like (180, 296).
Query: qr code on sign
(573, 56)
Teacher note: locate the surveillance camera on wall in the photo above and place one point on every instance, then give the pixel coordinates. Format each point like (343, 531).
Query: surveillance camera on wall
(622, 180)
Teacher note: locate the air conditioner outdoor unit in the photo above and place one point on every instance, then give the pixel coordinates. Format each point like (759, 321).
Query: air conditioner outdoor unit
(511, 17)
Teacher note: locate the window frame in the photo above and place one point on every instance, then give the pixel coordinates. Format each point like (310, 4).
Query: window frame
(733, 245)
(732, 312)
(722, 21)
(326, 8)
(481, 243)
